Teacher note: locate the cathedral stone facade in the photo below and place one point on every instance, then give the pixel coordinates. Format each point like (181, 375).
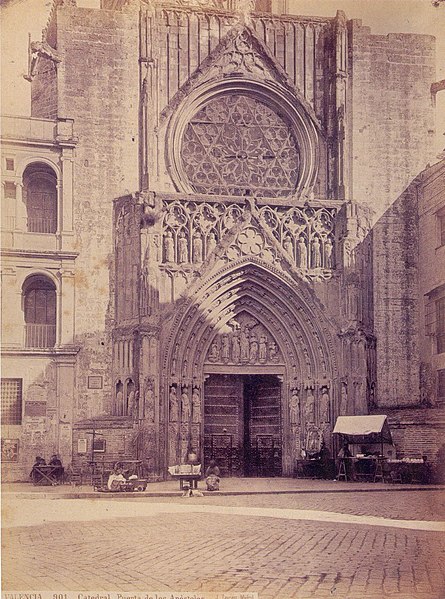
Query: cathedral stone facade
(232, 235)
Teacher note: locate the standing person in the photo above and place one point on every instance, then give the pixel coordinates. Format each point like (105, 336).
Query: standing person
(212, 476)
(343, 455)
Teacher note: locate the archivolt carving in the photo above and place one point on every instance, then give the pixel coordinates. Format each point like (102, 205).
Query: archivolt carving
(299, 336)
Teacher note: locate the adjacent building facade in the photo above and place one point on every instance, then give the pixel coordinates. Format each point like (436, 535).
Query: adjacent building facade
(235, 255)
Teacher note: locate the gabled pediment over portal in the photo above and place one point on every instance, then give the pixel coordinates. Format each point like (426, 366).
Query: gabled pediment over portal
(240, 55)
(199, 238)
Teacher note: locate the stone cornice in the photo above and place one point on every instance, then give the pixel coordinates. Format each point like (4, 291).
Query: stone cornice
(52, 254)
(50, 352)
(288, 202)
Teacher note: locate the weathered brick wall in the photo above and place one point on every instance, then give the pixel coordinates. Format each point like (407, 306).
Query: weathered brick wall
(44, 90)
(393, 116)
(118, 435)
(396, 311)
(99, 88)
(417, 432)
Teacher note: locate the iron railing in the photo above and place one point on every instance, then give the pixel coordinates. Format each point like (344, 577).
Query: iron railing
(40, 335)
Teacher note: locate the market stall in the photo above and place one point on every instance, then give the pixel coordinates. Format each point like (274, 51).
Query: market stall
(366, 442)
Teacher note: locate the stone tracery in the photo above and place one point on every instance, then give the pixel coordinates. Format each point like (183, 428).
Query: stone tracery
(193, 229)
(237, 142)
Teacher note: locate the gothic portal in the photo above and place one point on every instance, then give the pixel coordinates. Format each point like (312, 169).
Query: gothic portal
(237, 296)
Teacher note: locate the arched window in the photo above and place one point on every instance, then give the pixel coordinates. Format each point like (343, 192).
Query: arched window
(40, 195)
(39, 305)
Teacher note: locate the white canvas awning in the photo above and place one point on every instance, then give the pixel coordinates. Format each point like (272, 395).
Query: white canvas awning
(363, 426)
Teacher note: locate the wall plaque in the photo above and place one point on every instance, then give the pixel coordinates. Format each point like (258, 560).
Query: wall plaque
(95, 381)
(99, 445)
(35, 409)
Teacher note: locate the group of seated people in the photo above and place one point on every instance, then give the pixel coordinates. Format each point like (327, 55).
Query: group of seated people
(116, 479)
(56, 473)
(119, 478)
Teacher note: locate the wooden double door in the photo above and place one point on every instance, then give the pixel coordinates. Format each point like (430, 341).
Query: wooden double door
(242, 424)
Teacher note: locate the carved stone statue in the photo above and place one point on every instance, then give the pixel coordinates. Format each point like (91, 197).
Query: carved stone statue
(169, 247)
(145, 286)
(273, 352)
(253, 352)
(214, 351)
(310, 407)
(262, 348)
(244, 344)
(316, 253)
(183, 250)
(289, 246)
(328, 247)
(211, 243)
(302, 253)
(148, 411)
(294, 407)
(348, 254)
(119, 403)
(236, 349)
(174, 412)
(196, 405)
(131, 403)
(324, 405)
(197, 248)
(185, 402)
(225, 348)
(343, 399)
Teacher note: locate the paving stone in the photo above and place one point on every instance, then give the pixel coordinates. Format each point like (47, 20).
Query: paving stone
(279, 558)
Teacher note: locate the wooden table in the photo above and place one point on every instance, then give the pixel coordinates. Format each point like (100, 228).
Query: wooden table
(191, 478)
(47, 474)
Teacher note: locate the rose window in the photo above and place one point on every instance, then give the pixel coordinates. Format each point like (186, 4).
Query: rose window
(237, 143)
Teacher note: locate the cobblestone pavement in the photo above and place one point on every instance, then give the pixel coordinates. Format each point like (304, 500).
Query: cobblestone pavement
(407, 505)
(277, 557)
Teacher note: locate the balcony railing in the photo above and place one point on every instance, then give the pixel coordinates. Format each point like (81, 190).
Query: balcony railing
(42, 225)
(40, 335)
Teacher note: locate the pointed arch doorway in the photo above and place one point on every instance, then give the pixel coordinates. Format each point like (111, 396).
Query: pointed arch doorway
(252, 353)
(242, 423)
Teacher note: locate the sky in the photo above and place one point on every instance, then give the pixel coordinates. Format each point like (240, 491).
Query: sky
(20, 17)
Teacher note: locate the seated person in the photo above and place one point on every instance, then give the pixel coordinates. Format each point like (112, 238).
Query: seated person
(35, 474)
(212, 476)
(116, 480)
(59, 469)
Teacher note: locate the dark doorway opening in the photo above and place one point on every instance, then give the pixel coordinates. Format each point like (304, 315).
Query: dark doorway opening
(242, 424)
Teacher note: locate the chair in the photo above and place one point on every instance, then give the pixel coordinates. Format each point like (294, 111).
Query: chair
(378, 472)
(74, 476)
(395, 476)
